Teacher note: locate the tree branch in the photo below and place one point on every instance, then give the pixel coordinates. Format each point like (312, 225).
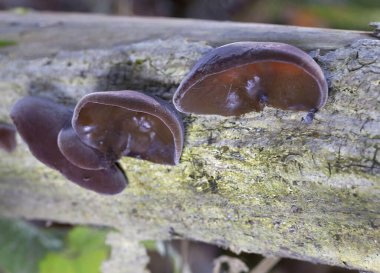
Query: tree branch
(264, 182)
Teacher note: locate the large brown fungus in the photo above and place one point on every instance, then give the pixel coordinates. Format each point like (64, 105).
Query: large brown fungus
(246, 76)
(129, 123)
(39, 122)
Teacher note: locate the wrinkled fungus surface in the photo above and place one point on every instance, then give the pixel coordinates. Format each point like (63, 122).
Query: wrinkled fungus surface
(129, 123)
(39, 122)
(7, 137)
(247, 76)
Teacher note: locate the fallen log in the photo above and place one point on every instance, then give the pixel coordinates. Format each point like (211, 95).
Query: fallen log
(263, 182)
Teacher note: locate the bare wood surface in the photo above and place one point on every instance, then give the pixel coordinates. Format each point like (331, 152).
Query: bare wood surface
(56, 32)
(264, 182)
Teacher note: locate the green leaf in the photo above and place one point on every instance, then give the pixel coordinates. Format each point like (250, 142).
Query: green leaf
(84, 252)
(346, 17)
(22, 245)
(20, 10)
(150, 245)
(4, 43)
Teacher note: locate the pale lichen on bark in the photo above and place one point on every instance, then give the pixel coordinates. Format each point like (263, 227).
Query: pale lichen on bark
(264, 182)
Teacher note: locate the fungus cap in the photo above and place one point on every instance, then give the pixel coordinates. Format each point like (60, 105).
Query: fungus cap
(246, 76)
(79, 153)
(129, 123)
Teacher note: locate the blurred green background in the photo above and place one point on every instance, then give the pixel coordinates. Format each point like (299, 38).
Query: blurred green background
(345, 14)
(45, 247)
(40, 247)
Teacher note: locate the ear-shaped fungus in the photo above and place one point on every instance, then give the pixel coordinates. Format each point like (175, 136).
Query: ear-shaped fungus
(129, 123)
(39, 122)
(246, 76)
(7, 137)
(79, 153)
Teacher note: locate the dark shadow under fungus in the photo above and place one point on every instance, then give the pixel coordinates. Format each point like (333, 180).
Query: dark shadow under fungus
(7, 137)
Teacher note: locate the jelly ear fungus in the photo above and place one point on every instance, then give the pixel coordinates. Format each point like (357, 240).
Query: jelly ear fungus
(39, 122)
(247, 76)
(79, 153)
(85, 145)
(129, 123)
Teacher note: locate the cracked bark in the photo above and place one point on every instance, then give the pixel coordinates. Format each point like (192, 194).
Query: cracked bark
(264, 182)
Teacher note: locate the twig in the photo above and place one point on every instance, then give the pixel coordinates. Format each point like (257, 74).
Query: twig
(265, 265)
(185, 256)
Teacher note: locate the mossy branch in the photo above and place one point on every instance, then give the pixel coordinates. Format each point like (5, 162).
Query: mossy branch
(264, 182)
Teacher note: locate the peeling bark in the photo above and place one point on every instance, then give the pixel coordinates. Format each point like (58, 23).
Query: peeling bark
(264, 182)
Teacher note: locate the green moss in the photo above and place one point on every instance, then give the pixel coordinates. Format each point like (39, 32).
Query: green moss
(263, 182)
(5, 43)
(244, 206)
(139, 61)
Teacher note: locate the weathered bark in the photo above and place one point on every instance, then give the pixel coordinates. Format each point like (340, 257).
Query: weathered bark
(264, 182)
(56, 32)
(127, 255)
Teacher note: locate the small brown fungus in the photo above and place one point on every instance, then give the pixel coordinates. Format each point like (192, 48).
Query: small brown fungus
(241, 77)
(79, 153)
(39, 121)
(7, 137)
(129, 123)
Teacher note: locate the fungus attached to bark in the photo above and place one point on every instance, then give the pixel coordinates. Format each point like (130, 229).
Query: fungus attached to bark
(7, 137)
(39, 122)
(129, 123)
(246, 76)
